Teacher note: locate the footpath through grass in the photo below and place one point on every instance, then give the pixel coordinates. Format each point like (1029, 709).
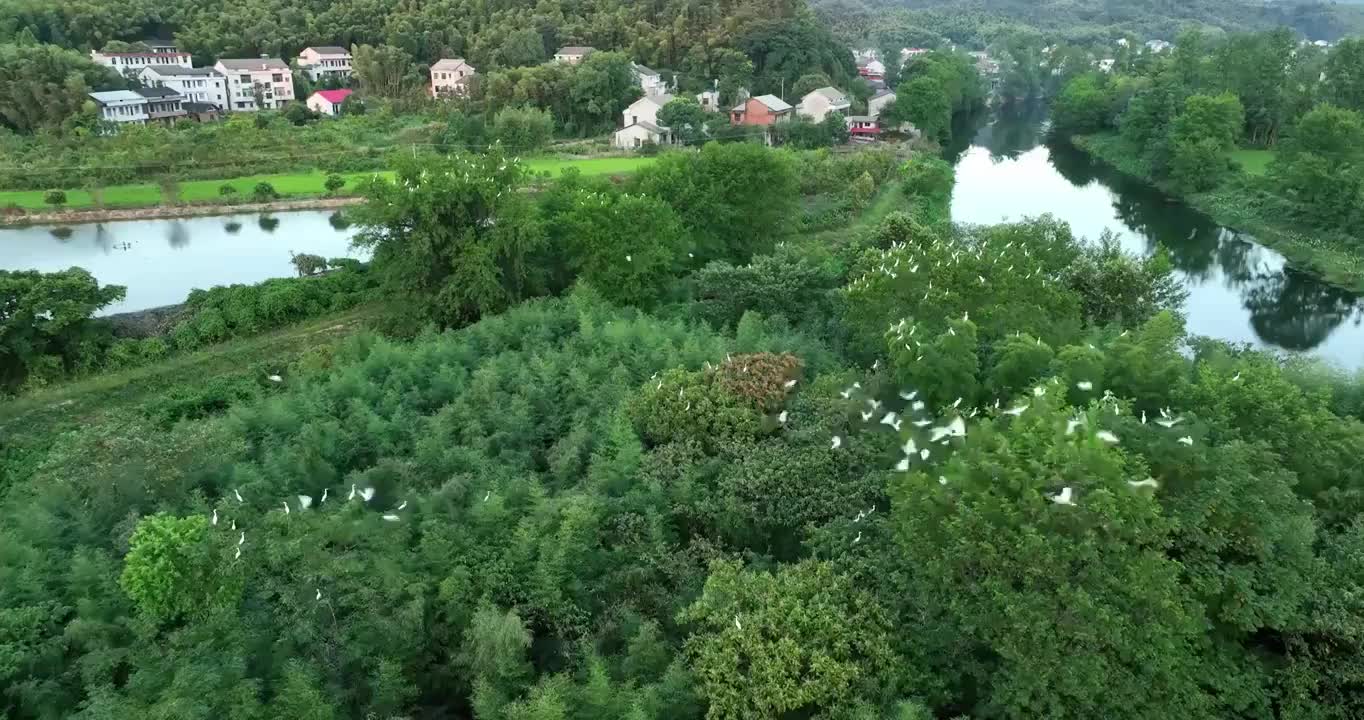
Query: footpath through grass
(288, 185)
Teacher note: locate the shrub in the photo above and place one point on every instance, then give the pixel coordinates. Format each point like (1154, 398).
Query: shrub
(264, 192)
(55, 198)
(334, 183)
(226, 190)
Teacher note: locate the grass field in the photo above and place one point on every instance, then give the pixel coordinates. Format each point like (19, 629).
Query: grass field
(290, 185)
(1254, 162)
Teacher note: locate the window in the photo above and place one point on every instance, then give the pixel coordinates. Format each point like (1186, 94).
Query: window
(277, 77)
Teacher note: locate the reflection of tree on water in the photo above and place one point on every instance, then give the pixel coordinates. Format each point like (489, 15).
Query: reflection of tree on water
(1015, 130)
(268, 223)
(176, 235)
(1287, 309)
(964, 128)
(1295, 311)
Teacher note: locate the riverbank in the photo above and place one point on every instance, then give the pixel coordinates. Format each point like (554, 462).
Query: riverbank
(1326, 254)
(157, 212)
(28, 207)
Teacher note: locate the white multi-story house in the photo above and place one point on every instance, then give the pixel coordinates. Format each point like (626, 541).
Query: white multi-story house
(817, 104)
(268, 79)
(326, 61)
(451, 77)
(640, 123)
(649, 80)
(199, 85)
(121, 106)
(129, 64)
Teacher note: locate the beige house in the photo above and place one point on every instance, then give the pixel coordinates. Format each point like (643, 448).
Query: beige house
(324, 62)
(877, 103)
(451, 77)
(573, 54)
(817, 104)
(268, 79)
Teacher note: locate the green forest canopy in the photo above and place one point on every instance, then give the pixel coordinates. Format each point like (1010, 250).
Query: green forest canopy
(940, 472)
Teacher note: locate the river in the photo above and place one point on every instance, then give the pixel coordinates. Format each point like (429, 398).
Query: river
(160, 261)
(1239, 291)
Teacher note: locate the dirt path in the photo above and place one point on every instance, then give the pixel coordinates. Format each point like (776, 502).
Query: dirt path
(68, 217)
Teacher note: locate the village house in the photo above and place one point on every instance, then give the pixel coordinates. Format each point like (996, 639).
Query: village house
(573, 54)
(872, 69)
(452, 77)
(325, 61)
(877, 103)
(129, 64)
(763, 111)
(863, 127)
(267, 79)
(640, 123)
(121, 106)
(163, 104)
(818, 103)
(709, 100)
(200, 85)
(161, 45)
(649, 80)
(328, 102)
(201, 112)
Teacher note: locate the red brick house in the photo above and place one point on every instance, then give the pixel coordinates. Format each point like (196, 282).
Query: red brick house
(764, 110)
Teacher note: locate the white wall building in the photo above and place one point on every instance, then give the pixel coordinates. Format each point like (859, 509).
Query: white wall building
(326, 61)
(268, 77)
(121, 106)
(640, 121)
(709, 100)
(817, 104)
(130, 64)
(200, 85)
(649, 80)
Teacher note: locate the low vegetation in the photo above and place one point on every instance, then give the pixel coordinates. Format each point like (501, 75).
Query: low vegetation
(1256, 130)
(668, 458)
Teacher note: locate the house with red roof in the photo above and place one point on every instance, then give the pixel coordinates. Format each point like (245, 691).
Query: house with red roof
(328, 102)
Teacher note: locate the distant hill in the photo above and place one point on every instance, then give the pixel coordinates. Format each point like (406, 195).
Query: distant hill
(971, 21)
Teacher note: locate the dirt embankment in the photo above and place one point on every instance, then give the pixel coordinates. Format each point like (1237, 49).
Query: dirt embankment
(90, 215)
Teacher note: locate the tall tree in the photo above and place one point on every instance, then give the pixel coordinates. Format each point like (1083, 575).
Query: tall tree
(453, 236)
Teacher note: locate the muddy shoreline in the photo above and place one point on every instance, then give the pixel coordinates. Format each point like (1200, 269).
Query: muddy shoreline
(100, 215)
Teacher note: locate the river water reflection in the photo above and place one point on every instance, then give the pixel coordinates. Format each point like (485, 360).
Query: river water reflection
(160, 261)
(1239, 290)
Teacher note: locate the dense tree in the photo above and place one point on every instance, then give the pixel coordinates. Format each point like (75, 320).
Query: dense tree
(385, 71)
(624, 245)
(737, 199)
(453, 236)
(523, 130)
(1084, 105)
(1320, 164)
(1201, 137)
(43, 86)
(45, 322)
(522, 47)
(686, 119)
